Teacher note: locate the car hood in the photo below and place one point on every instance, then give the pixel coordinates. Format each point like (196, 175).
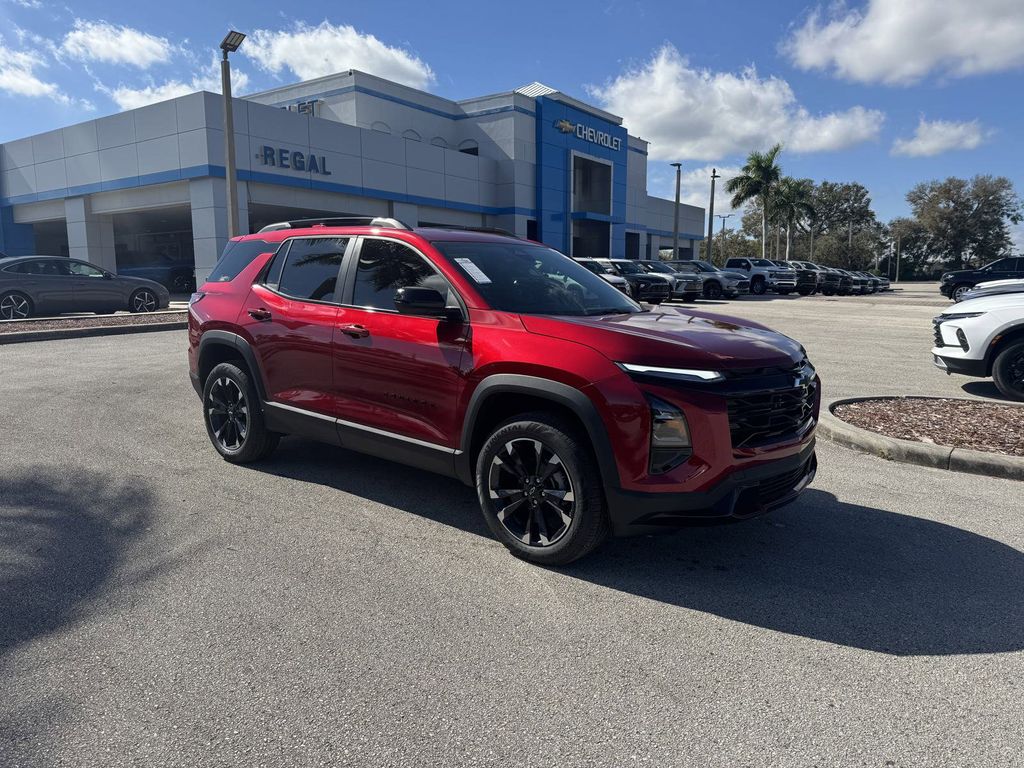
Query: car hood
(732, 275)
(1014, 283)
(672, 337)
(616, 279)
(987, 303)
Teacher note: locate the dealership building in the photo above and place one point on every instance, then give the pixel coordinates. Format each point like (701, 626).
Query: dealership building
(146, 187)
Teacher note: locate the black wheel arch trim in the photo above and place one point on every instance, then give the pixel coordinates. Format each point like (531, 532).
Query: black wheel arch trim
(545, 389)
(221, 338)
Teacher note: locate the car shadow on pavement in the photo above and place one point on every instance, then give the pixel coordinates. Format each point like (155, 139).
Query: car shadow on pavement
(63, 532)
(820, 568)
(985, 389)
(837, 572)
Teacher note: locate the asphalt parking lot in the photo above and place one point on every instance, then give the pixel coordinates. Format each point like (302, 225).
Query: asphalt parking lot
(159, 606)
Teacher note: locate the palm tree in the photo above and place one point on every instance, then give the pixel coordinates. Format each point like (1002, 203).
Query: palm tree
(792, 204)
(757, 181)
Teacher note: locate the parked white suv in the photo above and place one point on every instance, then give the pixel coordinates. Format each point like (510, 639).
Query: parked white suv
(984, 337)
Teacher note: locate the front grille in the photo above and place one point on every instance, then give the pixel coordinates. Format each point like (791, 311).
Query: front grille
(743, 285)
(806, 278)
(774, 488)
(759, 417)
(937, 327)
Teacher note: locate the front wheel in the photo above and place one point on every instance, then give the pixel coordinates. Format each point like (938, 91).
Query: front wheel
(233, 416)
(540, 490)
(1008, 371)
(758, 287)
(712, 290)
(959, 291)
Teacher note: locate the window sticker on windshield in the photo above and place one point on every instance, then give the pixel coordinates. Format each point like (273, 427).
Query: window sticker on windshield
(473, 271)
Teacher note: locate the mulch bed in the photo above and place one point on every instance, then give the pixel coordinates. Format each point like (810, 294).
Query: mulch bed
(979, 426)
(94, 321)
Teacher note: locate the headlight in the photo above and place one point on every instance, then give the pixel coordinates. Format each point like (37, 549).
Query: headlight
(958, 316)
(670, 436)
(683, 374)
(945, 276)
(195, 298)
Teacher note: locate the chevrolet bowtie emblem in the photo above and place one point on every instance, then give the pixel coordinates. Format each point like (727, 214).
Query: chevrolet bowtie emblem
(565, 126)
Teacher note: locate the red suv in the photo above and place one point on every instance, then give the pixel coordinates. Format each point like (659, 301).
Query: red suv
(574, 411)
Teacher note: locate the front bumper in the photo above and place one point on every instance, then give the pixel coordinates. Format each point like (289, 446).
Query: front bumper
(960, 365)
(784, 284)
(741, 495)
(946, 289)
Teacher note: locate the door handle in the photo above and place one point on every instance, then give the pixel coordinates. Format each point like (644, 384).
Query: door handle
(259, 313)
(354, 330)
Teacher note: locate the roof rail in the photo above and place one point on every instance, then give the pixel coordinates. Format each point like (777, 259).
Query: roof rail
(337, 221)
(460, 228)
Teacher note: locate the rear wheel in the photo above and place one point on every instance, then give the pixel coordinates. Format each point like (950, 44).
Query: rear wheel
(712, 290)
(540, 490)
(1008, 371)
(233, 416)
(15, 305)
(143, 300)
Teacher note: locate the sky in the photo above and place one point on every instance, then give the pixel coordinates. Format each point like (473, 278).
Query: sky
(887, 93)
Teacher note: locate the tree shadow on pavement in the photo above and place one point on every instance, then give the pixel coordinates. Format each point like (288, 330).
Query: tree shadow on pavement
(62, 534)
(820, 568)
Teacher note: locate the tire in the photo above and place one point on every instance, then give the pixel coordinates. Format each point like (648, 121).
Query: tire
(528, 530)
(758, 287)
(712, 290)
(804, 291)
(226, 387)
(1008, 371)
(143, 300)
(957, 294)
(15, 305)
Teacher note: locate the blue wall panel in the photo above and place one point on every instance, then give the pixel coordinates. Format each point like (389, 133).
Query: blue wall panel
(15, 239)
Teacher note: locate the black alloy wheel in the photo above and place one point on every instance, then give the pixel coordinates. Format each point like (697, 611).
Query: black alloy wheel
(228, 412)
(1008, 371)
(531, 492)
(712, 290)
(758, 287)
(15, 306)
(144, 300)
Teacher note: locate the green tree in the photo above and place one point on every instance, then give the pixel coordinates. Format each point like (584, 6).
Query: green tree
(757, 181)
(792, 205)
(967, 219)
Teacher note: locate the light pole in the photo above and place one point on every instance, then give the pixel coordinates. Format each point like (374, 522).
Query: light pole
(711, 214)
(230, 45)
(723, 217)
(675, 217)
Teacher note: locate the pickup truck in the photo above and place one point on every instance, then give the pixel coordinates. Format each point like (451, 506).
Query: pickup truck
(764, 275)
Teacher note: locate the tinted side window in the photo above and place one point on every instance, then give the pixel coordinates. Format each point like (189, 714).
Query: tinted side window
(238, 254)
(84, 270)
(311, 268)
(384, 267)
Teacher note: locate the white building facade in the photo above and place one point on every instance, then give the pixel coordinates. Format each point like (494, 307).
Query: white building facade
(147, 186)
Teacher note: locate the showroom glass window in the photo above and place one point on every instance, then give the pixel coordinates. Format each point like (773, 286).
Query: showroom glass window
(310, 268)
(384, 267)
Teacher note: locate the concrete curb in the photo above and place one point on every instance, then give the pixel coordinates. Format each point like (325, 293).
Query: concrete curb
(53, 334)
(911, 452)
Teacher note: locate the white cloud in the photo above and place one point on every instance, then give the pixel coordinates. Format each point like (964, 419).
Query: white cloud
(938, 136)
(110, 44)
(127, 97)
(18, 75)
(689, 113)
(33, 4)
(899, 42)
(310, 52)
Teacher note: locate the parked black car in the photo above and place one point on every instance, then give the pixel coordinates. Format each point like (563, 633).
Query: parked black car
(954, 284)
(840, 285)
(645, 286)
(806, 279)
(51, 285)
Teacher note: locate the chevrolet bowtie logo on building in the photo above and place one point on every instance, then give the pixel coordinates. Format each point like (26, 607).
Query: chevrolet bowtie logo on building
(586, 133)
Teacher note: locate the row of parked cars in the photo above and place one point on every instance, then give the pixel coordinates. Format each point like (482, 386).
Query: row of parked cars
(657, 281)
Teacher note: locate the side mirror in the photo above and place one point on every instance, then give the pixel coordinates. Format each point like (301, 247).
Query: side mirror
(425, 302)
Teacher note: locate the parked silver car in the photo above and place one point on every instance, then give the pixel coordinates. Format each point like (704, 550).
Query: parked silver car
(51, 285)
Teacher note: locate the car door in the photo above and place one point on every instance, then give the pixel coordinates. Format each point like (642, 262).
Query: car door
(289, 318)
(396, 373)
(55, 287)
(1004, 269)
(95, 290)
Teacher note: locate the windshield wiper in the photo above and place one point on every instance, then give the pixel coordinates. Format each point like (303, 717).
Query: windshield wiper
(609, 311)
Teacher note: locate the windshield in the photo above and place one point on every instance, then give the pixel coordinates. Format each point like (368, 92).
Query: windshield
(762, 263)
(704, 266)
(628, 267)
(596, 267)
(657, 266)
(534, 280)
